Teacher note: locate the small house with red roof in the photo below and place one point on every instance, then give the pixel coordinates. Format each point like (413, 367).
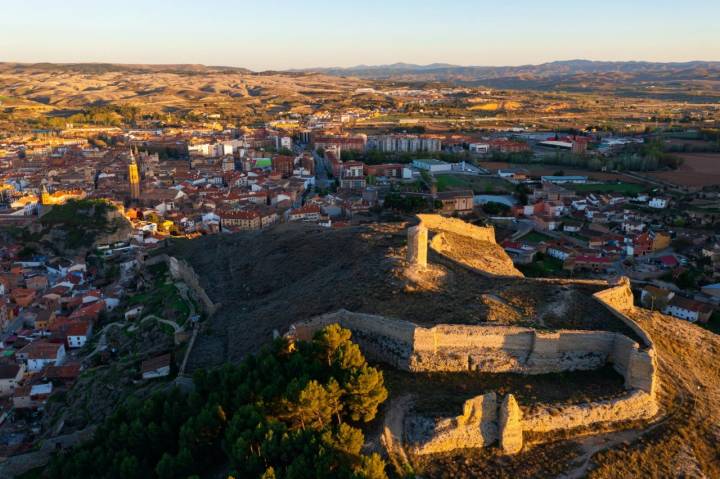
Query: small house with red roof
(40, 354)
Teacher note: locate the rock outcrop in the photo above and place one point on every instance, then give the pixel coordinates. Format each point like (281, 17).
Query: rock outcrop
(119, 229)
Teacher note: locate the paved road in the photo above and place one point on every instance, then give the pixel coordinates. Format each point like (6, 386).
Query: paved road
(321, 171)
(174, 325)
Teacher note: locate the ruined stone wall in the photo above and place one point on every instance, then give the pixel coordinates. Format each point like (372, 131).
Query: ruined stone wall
(619, 296)
(619, 300)
(507, 423)
(508, 349)
(635, 405)
(381, 339)
(476, 427)
(472, 348)
(636, 363)
(439, 223)
(417, 246)
(471, 246)
(455, 348)
(180, 270)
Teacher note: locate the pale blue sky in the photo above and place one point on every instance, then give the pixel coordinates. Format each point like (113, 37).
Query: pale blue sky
(281, 34)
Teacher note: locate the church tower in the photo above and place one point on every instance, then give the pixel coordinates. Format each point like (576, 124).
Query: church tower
(45, 196)
(134, 178)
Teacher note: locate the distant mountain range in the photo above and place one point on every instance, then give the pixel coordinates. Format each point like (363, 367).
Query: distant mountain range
(697, 81)
(553, 74)
(100, 68)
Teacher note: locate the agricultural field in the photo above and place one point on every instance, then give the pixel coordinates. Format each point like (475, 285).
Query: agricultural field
(698, 169)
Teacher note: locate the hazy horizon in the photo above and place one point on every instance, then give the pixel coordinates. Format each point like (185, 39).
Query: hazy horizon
(348, 67)
(282, 35)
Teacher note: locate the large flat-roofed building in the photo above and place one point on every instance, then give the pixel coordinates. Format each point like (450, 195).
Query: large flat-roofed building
(432, 165)
(564, 179)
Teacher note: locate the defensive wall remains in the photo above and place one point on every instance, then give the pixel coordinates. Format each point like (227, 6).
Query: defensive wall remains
(180, 270)
(442, 224)
(497, 263)
(486, 418)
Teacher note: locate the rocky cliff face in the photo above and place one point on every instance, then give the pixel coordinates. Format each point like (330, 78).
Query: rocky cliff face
(78, 225)
(118, 229)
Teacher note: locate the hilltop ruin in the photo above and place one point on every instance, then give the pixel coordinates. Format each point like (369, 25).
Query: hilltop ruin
(441, 298)
(490, 418)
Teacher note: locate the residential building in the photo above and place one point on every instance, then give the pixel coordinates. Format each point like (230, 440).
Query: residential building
(40, 354)
(688, 309)
(156, 367)
(712, 290)
(10, 376)
(340, 143)
(479, 148)
(243, 220)
(306, 213)
(652, 297)
(504, 145)
(353, 176)
(78, 333)
(32, 396)
(456, 201)
(387, 170)
(403, 143)
(642, 244)
(588, 262)
(659, 203)
(283, 165)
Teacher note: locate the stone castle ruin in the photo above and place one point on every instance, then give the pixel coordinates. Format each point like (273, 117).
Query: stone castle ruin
(492, 418)
(470, 245)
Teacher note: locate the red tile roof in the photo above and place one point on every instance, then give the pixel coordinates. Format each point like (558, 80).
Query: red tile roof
(41, 350)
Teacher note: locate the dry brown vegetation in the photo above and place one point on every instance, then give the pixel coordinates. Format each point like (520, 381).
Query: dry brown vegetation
(42, 89)
(698, 169)
(685, 443)
(269, 280)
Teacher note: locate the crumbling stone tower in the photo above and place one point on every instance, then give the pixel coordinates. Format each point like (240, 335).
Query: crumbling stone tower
(417, 245)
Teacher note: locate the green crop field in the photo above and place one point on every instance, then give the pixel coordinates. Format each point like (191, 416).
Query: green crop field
(479, 184)
(535, 237)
